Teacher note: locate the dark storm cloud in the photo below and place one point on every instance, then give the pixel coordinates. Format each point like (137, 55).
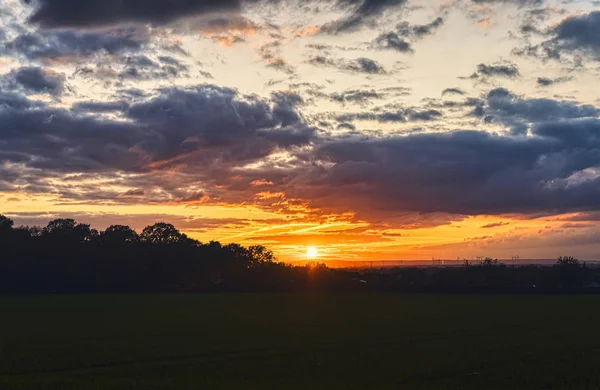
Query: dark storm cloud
(463, 172)
(33, 79)
(72, 43)
(55, 139)
(357, 65)
(578, 34)
(518, 113)
(508, 69)
(16, 101)
(75, 13)
(187, 136)
(220, 123)
(285, 107)
(203, 124)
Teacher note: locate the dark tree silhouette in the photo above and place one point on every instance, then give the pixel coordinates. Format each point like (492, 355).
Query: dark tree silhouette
(6, 224)
(70, 257)
(68, 230)
(489, 262)
(567, 262)
(119, 234)
(162, 233)
(571, 273)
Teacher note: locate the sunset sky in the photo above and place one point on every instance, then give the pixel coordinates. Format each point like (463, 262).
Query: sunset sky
(369, 129)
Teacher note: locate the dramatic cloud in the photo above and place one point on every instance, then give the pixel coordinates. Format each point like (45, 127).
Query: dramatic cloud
(575, 35)
(578, 33)
(36, 80)
(201, 125)
(74, 13)
(56, 45)
(463, 172)
(315, 116)
(518, 113)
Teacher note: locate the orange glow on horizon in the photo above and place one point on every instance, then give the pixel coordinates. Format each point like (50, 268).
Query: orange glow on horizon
(336, 238)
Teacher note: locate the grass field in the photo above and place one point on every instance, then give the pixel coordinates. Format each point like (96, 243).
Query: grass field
(270, 341)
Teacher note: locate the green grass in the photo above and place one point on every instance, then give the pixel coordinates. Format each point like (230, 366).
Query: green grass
(300, 341)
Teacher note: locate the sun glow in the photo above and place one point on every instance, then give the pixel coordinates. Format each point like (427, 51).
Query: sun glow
(312, 252)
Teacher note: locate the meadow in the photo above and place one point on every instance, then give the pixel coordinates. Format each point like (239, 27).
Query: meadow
(300, 341)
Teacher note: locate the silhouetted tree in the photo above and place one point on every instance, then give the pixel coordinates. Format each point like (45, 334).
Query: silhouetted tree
(259, 255)
(567, 262)
(66, 229)
(489, 262)
(161, 233)
(119, 234)
(6, 224)
(571, 273)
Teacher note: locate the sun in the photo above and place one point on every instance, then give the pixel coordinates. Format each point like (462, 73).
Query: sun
(312, 252)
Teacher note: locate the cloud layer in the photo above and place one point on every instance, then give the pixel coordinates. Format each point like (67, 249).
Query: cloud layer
(360, 119)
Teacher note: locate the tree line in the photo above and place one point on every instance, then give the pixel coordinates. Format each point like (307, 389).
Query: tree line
(70, 257)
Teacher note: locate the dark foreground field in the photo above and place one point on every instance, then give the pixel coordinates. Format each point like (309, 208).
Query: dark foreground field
(300, 341)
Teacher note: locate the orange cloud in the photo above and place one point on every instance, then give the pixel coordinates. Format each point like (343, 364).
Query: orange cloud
(261, 182)
(227, 41)
(485, 23)
(306, 31)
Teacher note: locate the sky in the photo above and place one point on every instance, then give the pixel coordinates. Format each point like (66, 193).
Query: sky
(369, 129)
